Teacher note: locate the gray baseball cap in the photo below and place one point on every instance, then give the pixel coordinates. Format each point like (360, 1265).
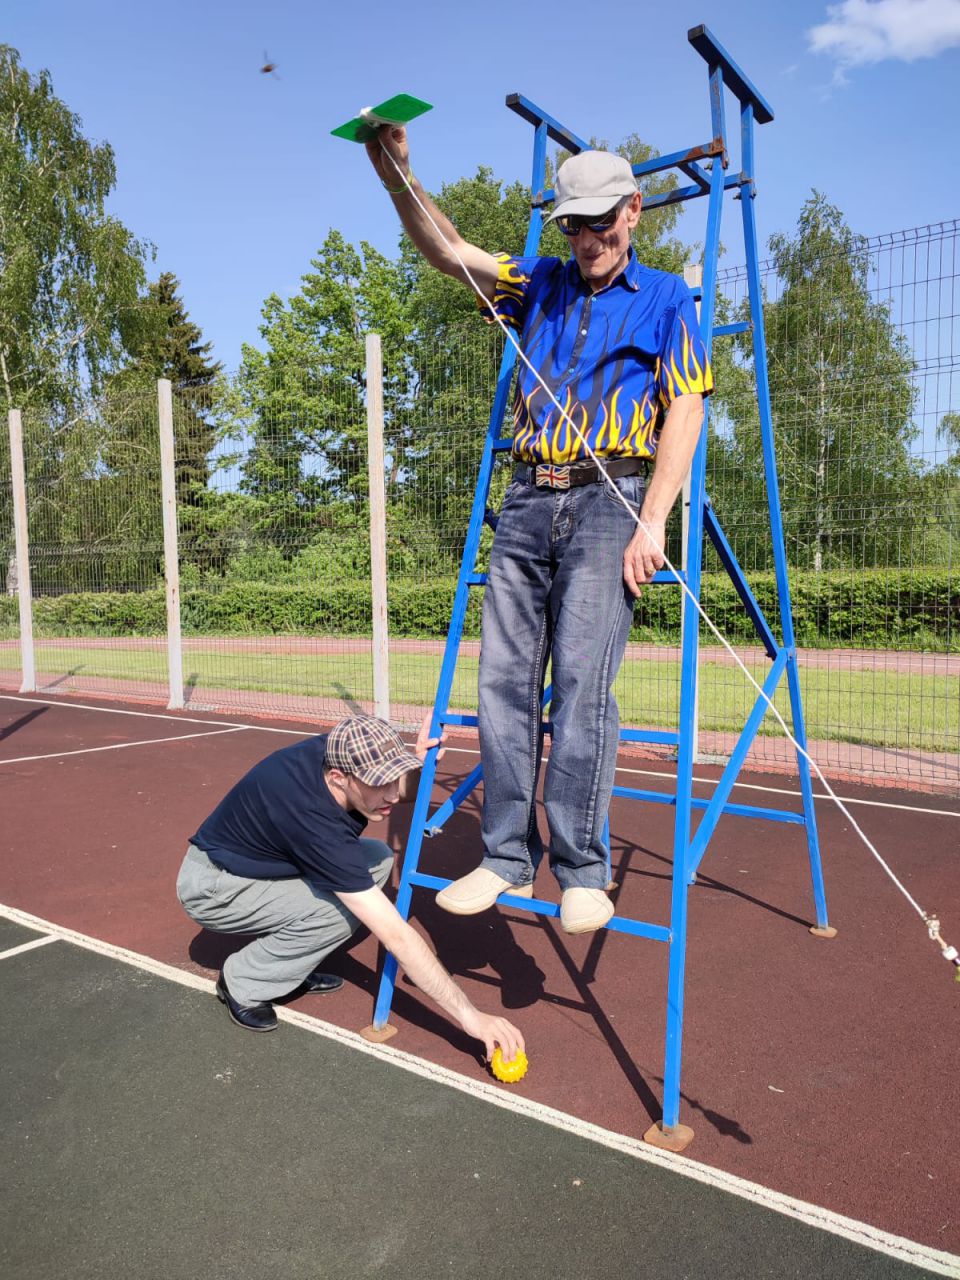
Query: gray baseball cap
(591, 183)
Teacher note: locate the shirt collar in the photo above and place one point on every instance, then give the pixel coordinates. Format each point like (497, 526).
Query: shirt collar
(629, 276)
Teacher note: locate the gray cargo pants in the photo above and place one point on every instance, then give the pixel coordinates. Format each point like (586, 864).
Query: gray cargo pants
(300, 923)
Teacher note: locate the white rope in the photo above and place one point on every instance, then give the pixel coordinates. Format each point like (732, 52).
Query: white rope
(931, 922)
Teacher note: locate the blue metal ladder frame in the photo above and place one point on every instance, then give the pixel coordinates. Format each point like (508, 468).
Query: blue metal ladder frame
(711, 183)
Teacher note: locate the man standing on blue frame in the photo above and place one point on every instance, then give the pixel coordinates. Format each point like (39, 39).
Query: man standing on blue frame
(619, 347)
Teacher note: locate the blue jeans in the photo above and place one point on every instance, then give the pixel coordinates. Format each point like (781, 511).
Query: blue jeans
(555, 591)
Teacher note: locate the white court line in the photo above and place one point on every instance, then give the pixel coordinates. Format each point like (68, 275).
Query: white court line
(29, 946)
(861, 1233)
(752, 786)
(472, 751)
(817, 795)
(122, 746)
(149, 715)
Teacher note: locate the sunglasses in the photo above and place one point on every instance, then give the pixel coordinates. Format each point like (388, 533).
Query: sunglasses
(573, 223)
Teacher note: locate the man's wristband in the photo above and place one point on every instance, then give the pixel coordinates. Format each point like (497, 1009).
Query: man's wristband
(395, 191)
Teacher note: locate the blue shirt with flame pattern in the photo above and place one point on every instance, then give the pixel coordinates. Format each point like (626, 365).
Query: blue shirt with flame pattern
(614, 359)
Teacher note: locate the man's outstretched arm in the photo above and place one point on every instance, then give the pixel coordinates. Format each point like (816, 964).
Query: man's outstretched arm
(373, 908)
(434, 244)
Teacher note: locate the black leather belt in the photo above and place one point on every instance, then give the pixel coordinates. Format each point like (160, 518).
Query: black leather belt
(551, 475)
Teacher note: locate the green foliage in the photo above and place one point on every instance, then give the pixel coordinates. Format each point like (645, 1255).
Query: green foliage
(301, 400)
(297, 414)
(70, 281)
(850, 609)
(842, 396)
(171, 348)
(165, 343)
(70, 274)
(893, 609)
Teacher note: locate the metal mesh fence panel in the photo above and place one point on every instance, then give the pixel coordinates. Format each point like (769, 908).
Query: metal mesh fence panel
(863, 363)
(271, 474)
(274, 546)
(443, 388)
(96, 546)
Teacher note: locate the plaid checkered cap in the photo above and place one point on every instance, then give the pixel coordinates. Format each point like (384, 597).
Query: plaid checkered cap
(369, 749)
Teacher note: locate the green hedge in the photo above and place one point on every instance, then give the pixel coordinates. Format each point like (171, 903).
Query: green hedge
(908, 609)
(875, 608)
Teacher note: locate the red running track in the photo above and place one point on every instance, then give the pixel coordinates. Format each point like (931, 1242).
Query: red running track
(825, 1070)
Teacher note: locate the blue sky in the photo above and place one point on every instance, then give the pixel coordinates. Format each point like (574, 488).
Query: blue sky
(234, 176)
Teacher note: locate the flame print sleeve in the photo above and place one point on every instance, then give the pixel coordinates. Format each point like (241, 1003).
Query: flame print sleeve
(682, 364)
(509, 298)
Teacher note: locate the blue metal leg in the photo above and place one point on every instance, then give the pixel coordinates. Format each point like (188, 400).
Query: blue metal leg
(755, 292)
(682, 867)
(806, 790)
(411, 859)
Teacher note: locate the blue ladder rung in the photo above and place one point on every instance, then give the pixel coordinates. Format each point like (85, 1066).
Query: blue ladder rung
(502, 446)
(670, 737)
(742, 326)
(450, 717)
(477, 580)
(740, 810)
(537, 906)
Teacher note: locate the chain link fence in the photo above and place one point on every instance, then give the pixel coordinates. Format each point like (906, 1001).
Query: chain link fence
(273, 504)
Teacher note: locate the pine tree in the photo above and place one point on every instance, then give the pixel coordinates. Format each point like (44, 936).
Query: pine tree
(171, 346)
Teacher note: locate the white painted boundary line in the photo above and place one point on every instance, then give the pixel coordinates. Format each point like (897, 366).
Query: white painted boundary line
(29, 946)
(148, 715)
(122, 746)
(752, 786)
(935, 1260)
(787, 791)
(469, 751)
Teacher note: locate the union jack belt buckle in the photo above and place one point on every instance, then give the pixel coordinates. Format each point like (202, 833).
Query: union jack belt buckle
(552, 477)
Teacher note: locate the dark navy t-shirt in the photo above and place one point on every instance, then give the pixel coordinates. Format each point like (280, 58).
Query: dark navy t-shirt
(281, 821)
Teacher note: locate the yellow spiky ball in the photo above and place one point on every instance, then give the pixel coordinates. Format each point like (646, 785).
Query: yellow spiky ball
(509, 1072)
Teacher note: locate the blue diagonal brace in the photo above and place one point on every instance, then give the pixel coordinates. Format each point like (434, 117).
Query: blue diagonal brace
(449, 806)
(558, 132)
(739, 580)
(729, 776)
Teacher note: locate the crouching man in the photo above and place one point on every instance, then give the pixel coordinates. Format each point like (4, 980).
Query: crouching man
(283, 856)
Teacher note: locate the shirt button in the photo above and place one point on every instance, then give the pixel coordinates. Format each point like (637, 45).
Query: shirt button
(583, 333)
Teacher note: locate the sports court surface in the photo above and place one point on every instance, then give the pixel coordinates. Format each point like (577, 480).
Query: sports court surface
(146, 1135)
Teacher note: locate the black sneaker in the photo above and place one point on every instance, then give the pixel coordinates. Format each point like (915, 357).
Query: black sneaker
(255, 1017)
(320, 984)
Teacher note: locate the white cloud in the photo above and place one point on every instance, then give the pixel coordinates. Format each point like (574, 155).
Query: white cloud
(859, 32)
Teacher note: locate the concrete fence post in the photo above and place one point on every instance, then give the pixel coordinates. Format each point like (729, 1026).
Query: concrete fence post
(171, 558)
(18, 479)
(378, 527)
